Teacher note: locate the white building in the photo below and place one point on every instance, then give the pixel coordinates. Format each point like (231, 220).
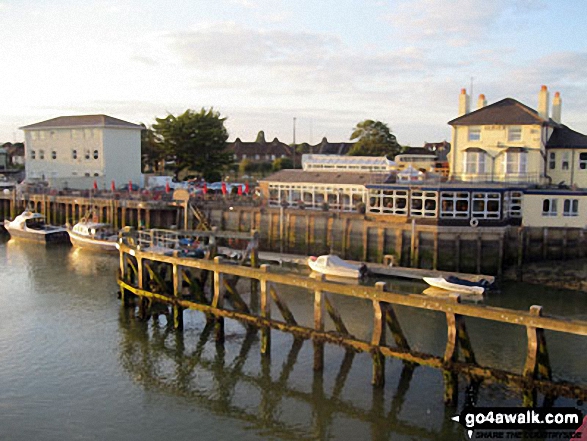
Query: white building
(75, 151)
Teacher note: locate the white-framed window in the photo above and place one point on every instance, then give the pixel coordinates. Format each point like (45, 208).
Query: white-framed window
(513, 203)
(244, 156)
(571, 207)
(516, 162)
(565, 161)
(474, 133)
(583, 161)
(424, 203)
(474, 163)
(552, 160)
(388, 201)
(454, 204)
(34, 135)
(257, 157)
(486, 205)
(549, 207)
(514, 133)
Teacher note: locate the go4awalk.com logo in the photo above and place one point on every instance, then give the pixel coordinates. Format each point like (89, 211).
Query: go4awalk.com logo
(518, 423)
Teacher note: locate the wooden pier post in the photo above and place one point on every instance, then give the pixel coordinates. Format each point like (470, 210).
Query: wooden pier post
(177, 310)
(378, 339)
(218, 302)
(265, 313)
(537, 360)
(457, 336)
(318, 324)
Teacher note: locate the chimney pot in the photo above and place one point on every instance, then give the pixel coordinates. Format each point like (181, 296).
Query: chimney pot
(543, 102)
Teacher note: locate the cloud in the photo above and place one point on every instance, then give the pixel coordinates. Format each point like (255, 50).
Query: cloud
(456, 22)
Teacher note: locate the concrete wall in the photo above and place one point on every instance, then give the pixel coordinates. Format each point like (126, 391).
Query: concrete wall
(122, 156)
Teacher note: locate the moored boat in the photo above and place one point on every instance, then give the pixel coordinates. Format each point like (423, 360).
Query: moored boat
(332, 265)
(95, 236)
(31, 226)
(457, 285)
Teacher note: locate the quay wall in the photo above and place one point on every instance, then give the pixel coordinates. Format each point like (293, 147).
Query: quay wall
(482, 250)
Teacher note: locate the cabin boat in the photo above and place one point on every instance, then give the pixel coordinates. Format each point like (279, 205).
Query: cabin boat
(332, 265)
(457, 285)
(31, 226)
(94, 236)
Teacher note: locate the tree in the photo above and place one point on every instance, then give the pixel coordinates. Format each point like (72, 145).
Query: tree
(281, 163)
(374, 138)
(152, 151)
(195, 141)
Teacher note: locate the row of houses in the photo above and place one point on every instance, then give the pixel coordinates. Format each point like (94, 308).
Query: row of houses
(508, 164)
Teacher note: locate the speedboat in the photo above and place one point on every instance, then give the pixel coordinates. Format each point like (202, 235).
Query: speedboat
(455, 284)
(332, 265)
(31, 226)
(94, 236)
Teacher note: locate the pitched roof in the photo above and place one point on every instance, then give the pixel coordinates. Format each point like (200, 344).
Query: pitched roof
(563, 137)
(274, 147)
(81, 121)
(507, 112)
(345, 178)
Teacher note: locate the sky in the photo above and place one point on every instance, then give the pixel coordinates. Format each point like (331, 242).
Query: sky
(261, 63)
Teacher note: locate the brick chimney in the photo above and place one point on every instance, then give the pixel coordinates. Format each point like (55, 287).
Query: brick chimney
(463, 102)
(556, 107)
(481, 102)
(543, 102)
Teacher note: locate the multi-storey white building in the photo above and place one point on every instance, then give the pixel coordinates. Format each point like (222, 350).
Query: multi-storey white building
(75, 151)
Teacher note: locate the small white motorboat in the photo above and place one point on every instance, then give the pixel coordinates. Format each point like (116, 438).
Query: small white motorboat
(332, 265)
(95, 236)
(31, 226)
(455, 284)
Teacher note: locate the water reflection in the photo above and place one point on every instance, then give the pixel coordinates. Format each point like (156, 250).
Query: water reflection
(280, 396)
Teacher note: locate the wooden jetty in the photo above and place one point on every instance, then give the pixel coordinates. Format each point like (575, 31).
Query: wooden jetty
(209, 285)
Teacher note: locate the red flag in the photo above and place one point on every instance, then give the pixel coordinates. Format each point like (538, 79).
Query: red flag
(247, 189)
(129, 186)
(95, 185)
(205, 188)
(224, 188)
(240, 190)
(112, 185)
(167, 187)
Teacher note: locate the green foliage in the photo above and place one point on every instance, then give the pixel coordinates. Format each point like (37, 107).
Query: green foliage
(152, 152)
(281, 163)
(195, 141)
(374, 138)
(246, 167)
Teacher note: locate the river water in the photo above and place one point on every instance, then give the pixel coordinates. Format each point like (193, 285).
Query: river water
(75, 365)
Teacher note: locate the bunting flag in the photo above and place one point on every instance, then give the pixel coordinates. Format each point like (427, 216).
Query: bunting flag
(95, 185)
(113, 186)
(167, 187)
(240, 190)
(247, 189)
(205, 188)
(129, 186)
(224, 188)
